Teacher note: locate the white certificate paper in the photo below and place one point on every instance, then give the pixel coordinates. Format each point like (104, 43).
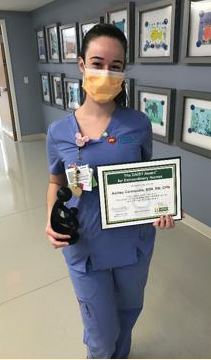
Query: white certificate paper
(139, 193)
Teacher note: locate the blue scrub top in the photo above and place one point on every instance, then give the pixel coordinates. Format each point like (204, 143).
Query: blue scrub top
(106, 248)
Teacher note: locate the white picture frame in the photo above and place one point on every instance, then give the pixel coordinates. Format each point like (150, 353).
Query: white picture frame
(194, 123)
(73, 93)
(158, 104)
(196, 41)
(156, 32)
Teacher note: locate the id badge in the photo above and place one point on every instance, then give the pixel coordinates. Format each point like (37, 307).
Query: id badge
(80, 176)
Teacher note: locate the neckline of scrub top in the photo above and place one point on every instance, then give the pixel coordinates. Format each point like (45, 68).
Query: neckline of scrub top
(107, 130)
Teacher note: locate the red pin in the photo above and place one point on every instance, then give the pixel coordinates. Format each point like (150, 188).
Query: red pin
(111, 139)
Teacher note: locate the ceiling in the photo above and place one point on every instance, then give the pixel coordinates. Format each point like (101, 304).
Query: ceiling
(22, 5)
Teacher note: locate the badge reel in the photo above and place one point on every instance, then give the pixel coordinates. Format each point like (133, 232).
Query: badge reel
(75, 188)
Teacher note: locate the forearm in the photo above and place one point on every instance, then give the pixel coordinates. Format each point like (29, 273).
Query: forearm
(55, 183)
(51, 198)
(57, 240)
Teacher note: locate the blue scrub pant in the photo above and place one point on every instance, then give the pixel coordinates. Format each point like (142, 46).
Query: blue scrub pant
(110, 303)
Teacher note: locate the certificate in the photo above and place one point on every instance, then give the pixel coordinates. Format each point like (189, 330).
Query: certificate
(139, 193)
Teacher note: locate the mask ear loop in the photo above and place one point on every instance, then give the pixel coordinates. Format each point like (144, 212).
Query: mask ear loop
(127, 94)
(82, 89)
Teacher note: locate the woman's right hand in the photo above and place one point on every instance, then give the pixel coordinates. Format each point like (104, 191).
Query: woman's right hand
(53, 236)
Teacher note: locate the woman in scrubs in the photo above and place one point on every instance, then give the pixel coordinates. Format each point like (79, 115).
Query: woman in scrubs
(109, 267)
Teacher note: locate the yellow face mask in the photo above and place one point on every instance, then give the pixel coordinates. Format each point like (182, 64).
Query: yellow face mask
(102, 85)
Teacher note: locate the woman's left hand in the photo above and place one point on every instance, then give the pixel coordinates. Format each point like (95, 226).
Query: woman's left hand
(165, 222)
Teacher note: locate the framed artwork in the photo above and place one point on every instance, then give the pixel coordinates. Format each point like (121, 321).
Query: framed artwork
(124, 18)
(193, 131)
(73, 93)
(45, 88)
(196, 44)
(53, 46)
(157, 32)
(69, 39)
(130, 89)
(57, 87)
(86, 26)
(41, 45)
(158, 104)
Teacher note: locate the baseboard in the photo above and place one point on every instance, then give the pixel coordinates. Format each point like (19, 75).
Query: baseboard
(197, 225)
(34, 137)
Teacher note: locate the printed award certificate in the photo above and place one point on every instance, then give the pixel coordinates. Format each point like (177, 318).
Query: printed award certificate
(139, 193)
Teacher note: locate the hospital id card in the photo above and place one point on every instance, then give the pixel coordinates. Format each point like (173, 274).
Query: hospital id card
(84, 177)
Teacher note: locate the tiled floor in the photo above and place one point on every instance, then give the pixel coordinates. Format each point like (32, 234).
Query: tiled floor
(39, 315)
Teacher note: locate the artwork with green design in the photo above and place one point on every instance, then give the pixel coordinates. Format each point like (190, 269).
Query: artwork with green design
(73, 95)
(154, 110)
(200, 121)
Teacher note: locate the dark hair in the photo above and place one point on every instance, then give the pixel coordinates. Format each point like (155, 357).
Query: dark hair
(113, 32)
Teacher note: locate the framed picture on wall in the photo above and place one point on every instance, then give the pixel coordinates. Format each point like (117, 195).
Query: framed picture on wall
(57, 87)
(45, 88)
(158, 104)
(41, 45)
(73, 93)
(69, 39)
(196, 44)
(130, 90)
(124, 18)
(53, 46)
(193, 131)
(157, 32)
(87, 25)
